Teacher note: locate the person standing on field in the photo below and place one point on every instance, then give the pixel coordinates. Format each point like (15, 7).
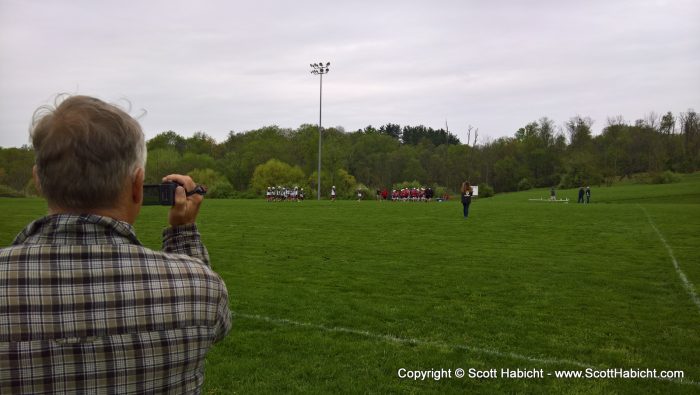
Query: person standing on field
(466, 193)
(580, 195)
(333, 193)
(84, 306)
(588, 195)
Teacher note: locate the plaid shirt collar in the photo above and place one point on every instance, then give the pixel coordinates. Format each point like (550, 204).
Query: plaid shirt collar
(73, 229)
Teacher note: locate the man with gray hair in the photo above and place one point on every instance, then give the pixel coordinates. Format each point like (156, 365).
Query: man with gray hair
(84, 307)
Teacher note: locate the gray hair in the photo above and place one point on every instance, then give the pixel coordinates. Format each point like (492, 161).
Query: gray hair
(85, 151)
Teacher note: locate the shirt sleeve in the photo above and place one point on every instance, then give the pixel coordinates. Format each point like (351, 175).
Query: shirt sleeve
(223, 316)
(185, 239)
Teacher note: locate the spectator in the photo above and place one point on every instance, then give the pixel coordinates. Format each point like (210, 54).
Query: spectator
(466, 192)
(86, 307)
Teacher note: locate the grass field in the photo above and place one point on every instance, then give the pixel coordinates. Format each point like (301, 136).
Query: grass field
(336, 297)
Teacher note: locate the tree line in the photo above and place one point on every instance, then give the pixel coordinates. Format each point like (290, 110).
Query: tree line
(540, 154)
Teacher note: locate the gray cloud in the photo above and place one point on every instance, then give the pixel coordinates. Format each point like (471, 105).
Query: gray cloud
(216, 66)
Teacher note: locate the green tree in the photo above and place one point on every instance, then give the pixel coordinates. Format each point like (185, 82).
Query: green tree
(275, 172)
(200, 143)
(191, 161)
(690, 129)
(216, 183)
(161, 162)
(16, 165)
(579, 129)
(391, 130)
(668, 123)
(508, 173)
(167, 140)
(580, 172)
(343, 181)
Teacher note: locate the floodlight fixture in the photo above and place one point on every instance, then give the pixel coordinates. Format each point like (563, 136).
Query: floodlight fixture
(319, 69)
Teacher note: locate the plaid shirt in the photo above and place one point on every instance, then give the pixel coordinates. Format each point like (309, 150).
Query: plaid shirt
(85, 308)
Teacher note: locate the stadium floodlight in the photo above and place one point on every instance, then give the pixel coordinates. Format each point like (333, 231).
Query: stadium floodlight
(319, 69)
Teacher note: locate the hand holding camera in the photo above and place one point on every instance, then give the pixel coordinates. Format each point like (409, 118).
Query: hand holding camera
(177, 191)
(185, 209)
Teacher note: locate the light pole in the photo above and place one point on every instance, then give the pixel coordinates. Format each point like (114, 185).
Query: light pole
(320, 69)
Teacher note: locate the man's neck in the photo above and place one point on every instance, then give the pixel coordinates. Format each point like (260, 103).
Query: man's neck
(114, 213)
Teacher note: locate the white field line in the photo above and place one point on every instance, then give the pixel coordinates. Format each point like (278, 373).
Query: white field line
(401, 340)
(686, 283)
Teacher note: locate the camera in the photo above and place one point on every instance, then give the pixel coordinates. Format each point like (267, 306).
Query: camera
(164, 194)
(159, 194)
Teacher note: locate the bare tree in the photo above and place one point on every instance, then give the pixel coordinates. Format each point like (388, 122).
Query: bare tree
(469, 133)
(652, 120)
(616, 120)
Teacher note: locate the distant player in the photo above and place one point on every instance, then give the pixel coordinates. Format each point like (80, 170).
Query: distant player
(428, 194)
(588, 195)
(333, 193)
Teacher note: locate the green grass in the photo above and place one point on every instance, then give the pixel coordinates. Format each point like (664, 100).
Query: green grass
(324, 292)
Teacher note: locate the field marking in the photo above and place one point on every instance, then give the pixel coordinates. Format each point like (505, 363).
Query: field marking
(686, 283)
(401, 340)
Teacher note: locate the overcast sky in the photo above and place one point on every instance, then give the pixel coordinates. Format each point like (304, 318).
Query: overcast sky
(217, 66)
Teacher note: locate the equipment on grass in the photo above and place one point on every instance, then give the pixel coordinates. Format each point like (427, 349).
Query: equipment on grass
(550, 200)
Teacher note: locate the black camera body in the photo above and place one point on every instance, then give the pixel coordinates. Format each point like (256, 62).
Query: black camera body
(164, 194)
(159, 194)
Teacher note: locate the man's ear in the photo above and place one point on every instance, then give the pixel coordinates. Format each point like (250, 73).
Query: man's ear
(35, 176)
(137, 186)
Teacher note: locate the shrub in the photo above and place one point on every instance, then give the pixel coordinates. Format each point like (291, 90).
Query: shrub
(524, 185)
(345, 185)
(217, 185)
(275, 172)
(667, 177)
(440, 191)
(247, 194)
(6, 191)
(485, 191)
(406, 184)
(366, 193)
